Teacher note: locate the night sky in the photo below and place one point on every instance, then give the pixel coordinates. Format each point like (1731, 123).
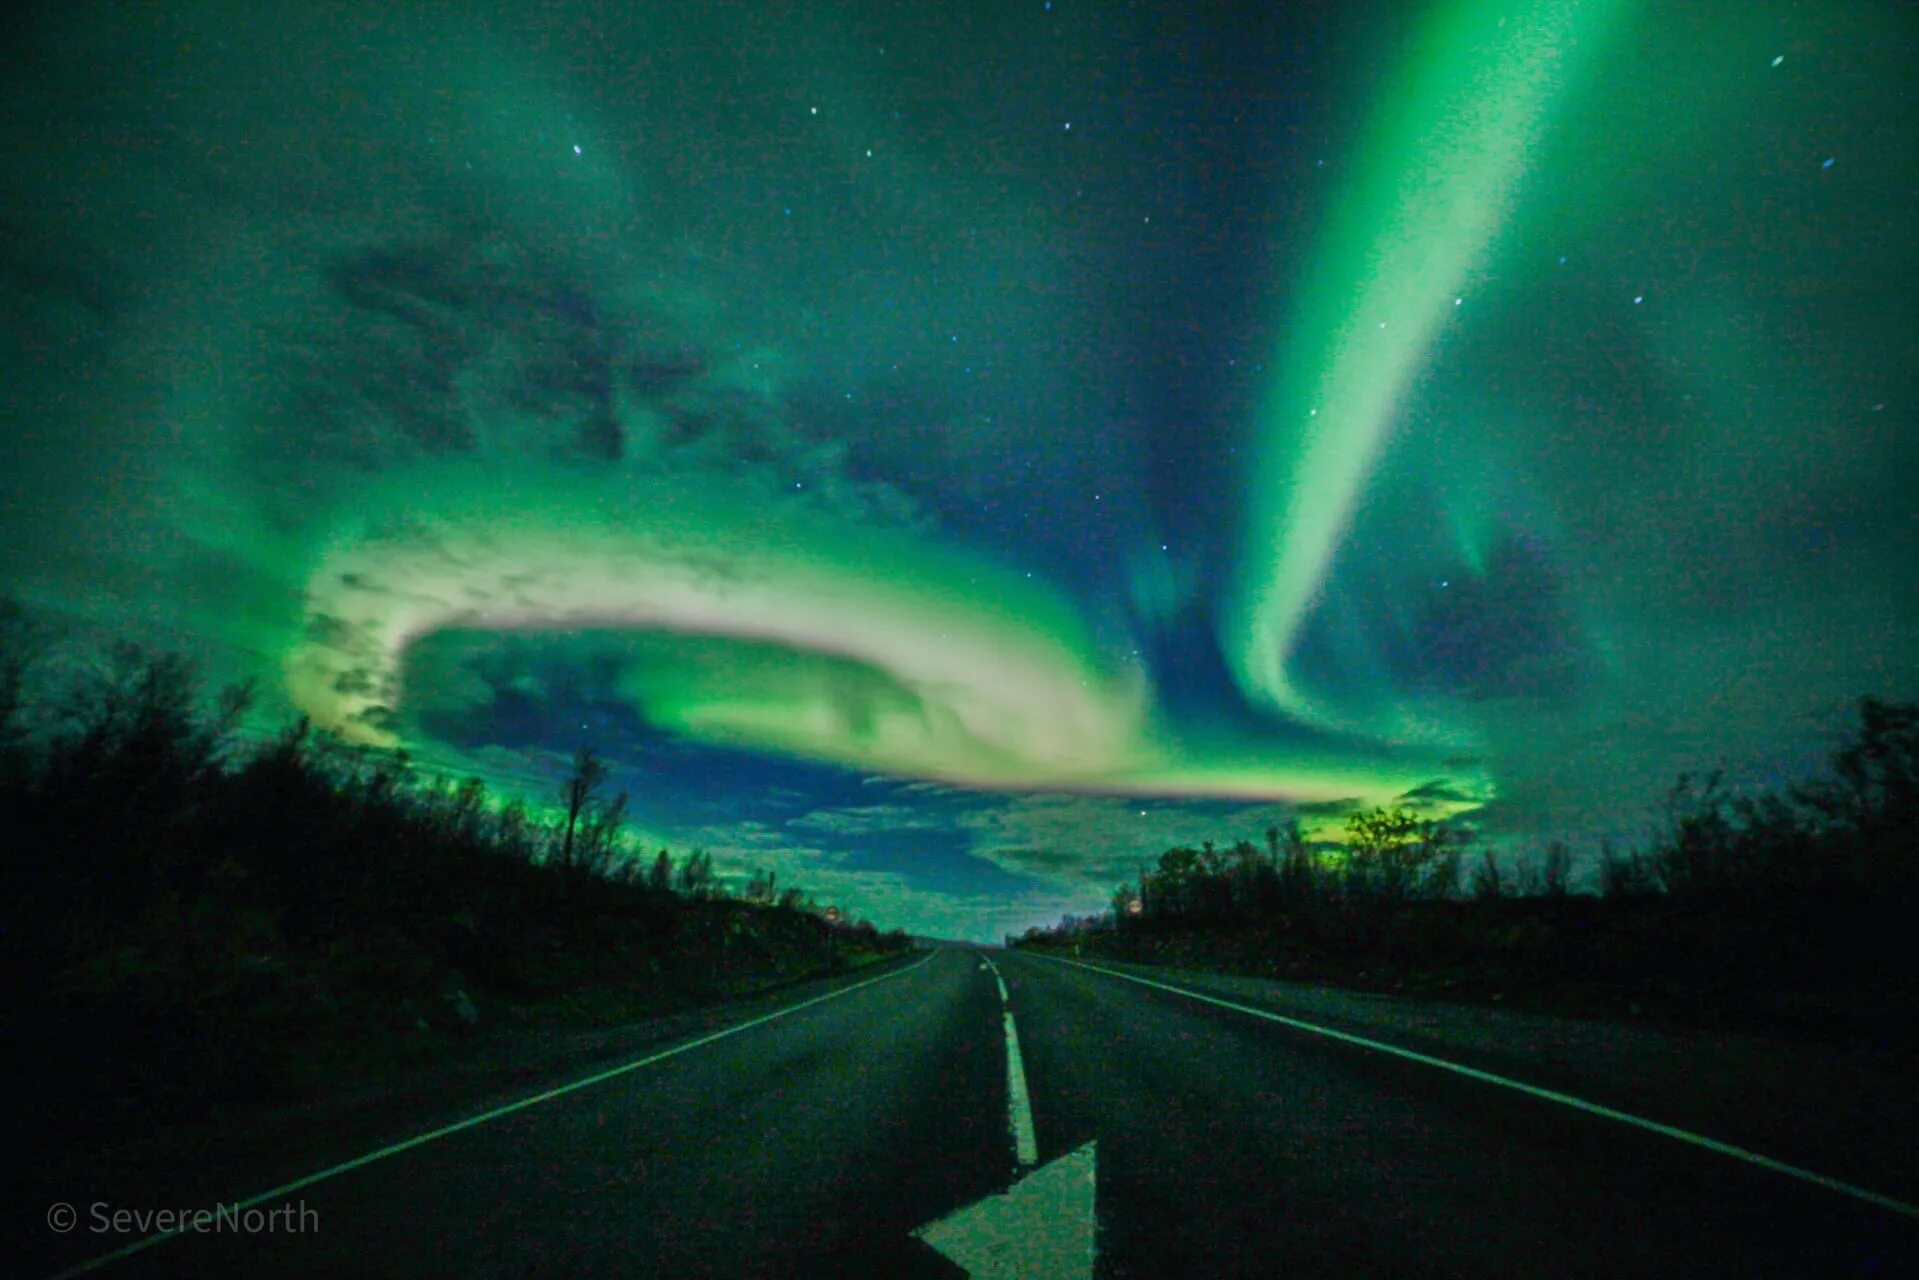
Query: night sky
(945, 453)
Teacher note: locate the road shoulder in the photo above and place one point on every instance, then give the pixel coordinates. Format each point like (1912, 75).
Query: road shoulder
(1850, 1113)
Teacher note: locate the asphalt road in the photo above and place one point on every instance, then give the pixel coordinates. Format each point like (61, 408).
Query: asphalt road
(815, 1142)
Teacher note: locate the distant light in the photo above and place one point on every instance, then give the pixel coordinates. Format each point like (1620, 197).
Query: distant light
(1457, 301)
(1781, 58)
(1638, 298)
(1828, 163)
(576, 149)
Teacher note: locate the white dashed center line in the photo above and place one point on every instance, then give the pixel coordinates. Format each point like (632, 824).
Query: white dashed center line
(1019, 1105)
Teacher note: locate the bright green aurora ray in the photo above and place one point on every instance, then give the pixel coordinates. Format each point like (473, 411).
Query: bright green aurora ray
(1429, 191)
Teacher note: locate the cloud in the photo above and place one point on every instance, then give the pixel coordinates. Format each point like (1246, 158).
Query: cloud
(1086, 845)
(861, 819)
(1443, 797)
(891, 899)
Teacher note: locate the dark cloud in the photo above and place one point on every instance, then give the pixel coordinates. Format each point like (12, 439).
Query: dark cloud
(1330, 808)
(1440, 791)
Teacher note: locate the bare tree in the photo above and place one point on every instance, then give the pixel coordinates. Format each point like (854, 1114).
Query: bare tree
(577, 795)
(1555, 869)
(1391, 855)
(599, 836)
(1295, 860)
(696, 874)
(1489, 878)
(1625, 875)
(21, 645)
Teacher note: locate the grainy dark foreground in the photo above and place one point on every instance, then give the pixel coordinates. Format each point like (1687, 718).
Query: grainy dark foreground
(816, 1143)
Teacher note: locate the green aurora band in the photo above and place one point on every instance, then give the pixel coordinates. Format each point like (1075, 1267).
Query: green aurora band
(773, 629)
(1430, 190)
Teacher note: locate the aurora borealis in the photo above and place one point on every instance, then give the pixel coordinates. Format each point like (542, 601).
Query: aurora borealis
(946, 453)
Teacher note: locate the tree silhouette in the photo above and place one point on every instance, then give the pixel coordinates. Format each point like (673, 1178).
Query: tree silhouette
(577, 794)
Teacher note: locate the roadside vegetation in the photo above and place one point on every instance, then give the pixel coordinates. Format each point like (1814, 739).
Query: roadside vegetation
(1797, 907)
(191, 917)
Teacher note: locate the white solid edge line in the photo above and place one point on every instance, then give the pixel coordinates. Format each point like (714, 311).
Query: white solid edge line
(420, 1140)
(1019, 1105)
(1886, 1202)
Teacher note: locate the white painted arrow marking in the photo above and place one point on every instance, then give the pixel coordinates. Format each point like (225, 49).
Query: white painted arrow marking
(1040, 1228)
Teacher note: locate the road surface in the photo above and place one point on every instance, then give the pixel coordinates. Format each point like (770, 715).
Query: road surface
(905, 1119)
